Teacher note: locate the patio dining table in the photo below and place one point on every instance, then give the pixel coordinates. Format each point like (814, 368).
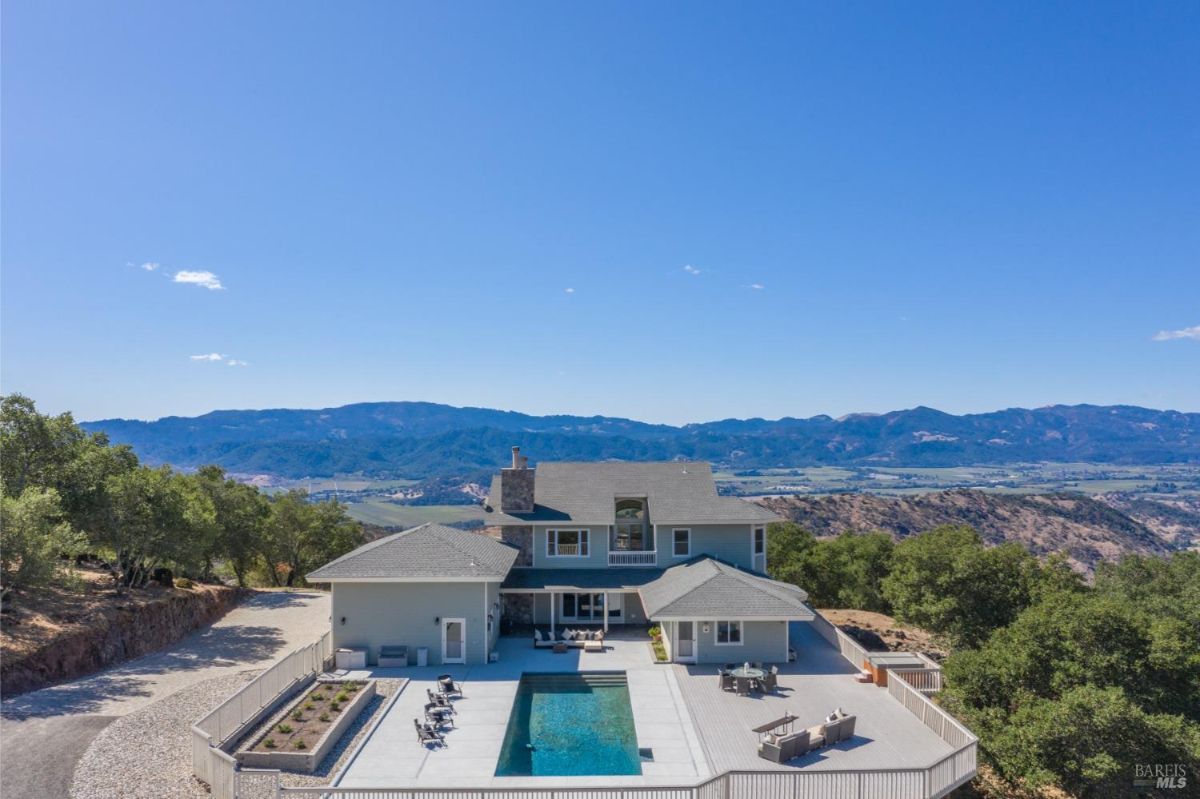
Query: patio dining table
(750, 673)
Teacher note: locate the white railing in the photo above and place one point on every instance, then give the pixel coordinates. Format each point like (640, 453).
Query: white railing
(927, 681)
(565, 551)
(628, 557)
(903, 783)
(851, 650)
(946, 726)
(215, 767)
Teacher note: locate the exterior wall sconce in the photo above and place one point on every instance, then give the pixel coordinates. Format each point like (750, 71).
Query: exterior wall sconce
(705, 628)
(437, 619)
(343, 621)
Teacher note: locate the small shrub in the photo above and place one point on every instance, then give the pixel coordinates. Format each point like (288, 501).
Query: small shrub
(342, 697)
(324, 717)
(284, 728)
(309, 705)
(183, 582)
(269, 743)
(297, 714)
(300, 744)
(656, 633)
(335, 706)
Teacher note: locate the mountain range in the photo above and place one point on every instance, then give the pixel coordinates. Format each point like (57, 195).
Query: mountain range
(422, 439)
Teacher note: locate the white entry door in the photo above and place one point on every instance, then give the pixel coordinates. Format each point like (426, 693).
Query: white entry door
(454, 640)
(685, 641)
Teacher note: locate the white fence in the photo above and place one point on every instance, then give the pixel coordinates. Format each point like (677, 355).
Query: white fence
(648, 557)
(209, 762)
(927, 681)
(932, 782)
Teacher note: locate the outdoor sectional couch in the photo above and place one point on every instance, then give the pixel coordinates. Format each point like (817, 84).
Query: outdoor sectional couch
(546, 642)
(780, 749)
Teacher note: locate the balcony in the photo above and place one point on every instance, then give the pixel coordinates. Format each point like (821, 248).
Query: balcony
(631, 557)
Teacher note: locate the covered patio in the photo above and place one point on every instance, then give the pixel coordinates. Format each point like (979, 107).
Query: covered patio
(551, 599)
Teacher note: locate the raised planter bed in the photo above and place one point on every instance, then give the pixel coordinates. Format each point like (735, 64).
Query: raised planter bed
(310, 728)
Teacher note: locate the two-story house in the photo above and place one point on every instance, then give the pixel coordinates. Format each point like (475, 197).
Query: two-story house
(580, 544)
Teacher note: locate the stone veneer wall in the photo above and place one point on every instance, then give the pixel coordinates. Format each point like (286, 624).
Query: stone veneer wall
(520, 537)
(516, 490)
(516, 609)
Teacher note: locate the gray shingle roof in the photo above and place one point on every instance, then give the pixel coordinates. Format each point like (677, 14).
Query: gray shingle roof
(677, 492)
(706, 588)
(613, 579)
(431, 551)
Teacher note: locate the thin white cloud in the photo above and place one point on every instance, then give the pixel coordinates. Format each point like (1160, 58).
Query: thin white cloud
(756, 286)
(691, 270)
(1184, 332)
(150, 266)
(568, 291)
(236, 362)
(212, 356)
(202, 278)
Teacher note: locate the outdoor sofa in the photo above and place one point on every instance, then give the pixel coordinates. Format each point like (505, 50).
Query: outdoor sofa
(572, 638)
(837, 727)
(390, 656)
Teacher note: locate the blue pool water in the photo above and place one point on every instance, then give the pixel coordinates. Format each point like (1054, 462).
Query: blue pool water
(573, 724)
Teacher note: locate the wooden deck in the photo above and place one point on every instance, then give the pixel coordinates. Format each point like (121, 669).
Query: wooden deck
(885, 736)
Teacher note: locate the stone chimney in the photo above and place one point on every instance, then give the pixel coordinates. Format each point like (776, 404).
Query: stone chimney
(516, 485)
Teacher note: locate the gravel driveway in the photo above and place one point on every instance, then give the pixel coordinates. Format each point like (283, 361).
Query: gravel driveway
(46, 732)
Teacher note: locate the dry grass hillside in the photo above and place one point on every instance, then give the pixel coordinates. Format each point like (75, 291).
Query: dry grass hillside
(1086, 529)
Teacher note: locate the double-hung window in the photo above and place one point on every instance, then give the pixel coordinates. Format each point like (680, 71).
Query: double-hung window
(760, 540)
(681, 542)
(566, 543)
(728, 633)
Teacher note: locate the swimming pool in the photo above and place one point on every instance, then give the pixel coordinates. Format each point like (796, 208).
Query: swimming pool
(573, 724)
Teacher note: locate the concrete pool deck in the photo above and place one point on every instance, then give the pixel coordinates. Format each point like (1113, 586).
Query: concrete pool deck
(695, 730)
(391, 755)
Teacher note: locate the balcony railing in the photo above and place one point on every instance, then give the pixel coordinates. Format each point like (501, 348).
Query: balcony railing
(629, 557)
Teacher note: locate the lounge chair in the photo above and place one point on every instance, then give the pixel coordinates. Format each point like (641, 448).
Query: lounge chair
(726, 681)
(428, 735)
(438, 715)
(392, 656)
(449, 687)
(441, 700)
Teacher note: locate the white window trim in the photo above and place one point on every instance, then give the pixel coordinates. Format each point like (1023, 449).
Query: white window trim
(754, 541)
(687, 530)
(584, 534)
(741, 641)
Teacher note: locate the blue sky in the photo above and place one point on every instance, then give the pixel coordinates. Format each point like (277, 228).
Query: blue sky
(674, 212)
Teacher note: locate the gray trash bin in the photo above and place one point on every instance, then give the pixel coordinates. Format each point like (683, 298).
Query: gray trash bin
(422, 656)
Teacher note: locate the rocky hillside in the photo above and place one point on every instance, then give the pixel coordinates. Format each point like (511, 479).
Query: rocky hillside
(1087, 529)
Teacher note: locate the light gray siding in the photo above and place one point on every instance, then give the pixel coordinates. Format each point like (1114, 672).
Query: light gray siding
(382, 614)
(761, 640)
(597, 549)
(728, 542)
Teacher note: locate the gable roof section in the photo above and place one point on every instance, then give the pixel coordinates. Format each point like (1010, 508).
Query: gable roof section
(706, 588)
(428, 552)
(677, 492)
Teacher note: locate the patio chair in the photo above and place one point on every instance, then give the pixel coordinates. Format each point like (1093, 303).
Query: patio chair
(726, 680)
(730, 666)
(743, 686)
(448, 686)
(441, 700)
(428, 735)
(438, 715)
(770, 680)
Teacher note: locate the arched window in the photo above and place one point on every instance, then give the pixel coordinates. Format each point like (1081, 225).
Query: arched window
(630, 533)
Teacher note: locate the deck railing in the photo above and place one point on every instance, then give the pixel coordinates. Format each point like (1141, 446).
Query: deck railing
(927, 681)
(630, 557)
(209, 762)
(932, 782)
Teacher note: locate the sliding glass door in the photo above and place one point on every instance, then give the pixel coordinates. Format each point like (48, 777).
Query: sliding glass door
(591, 607)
